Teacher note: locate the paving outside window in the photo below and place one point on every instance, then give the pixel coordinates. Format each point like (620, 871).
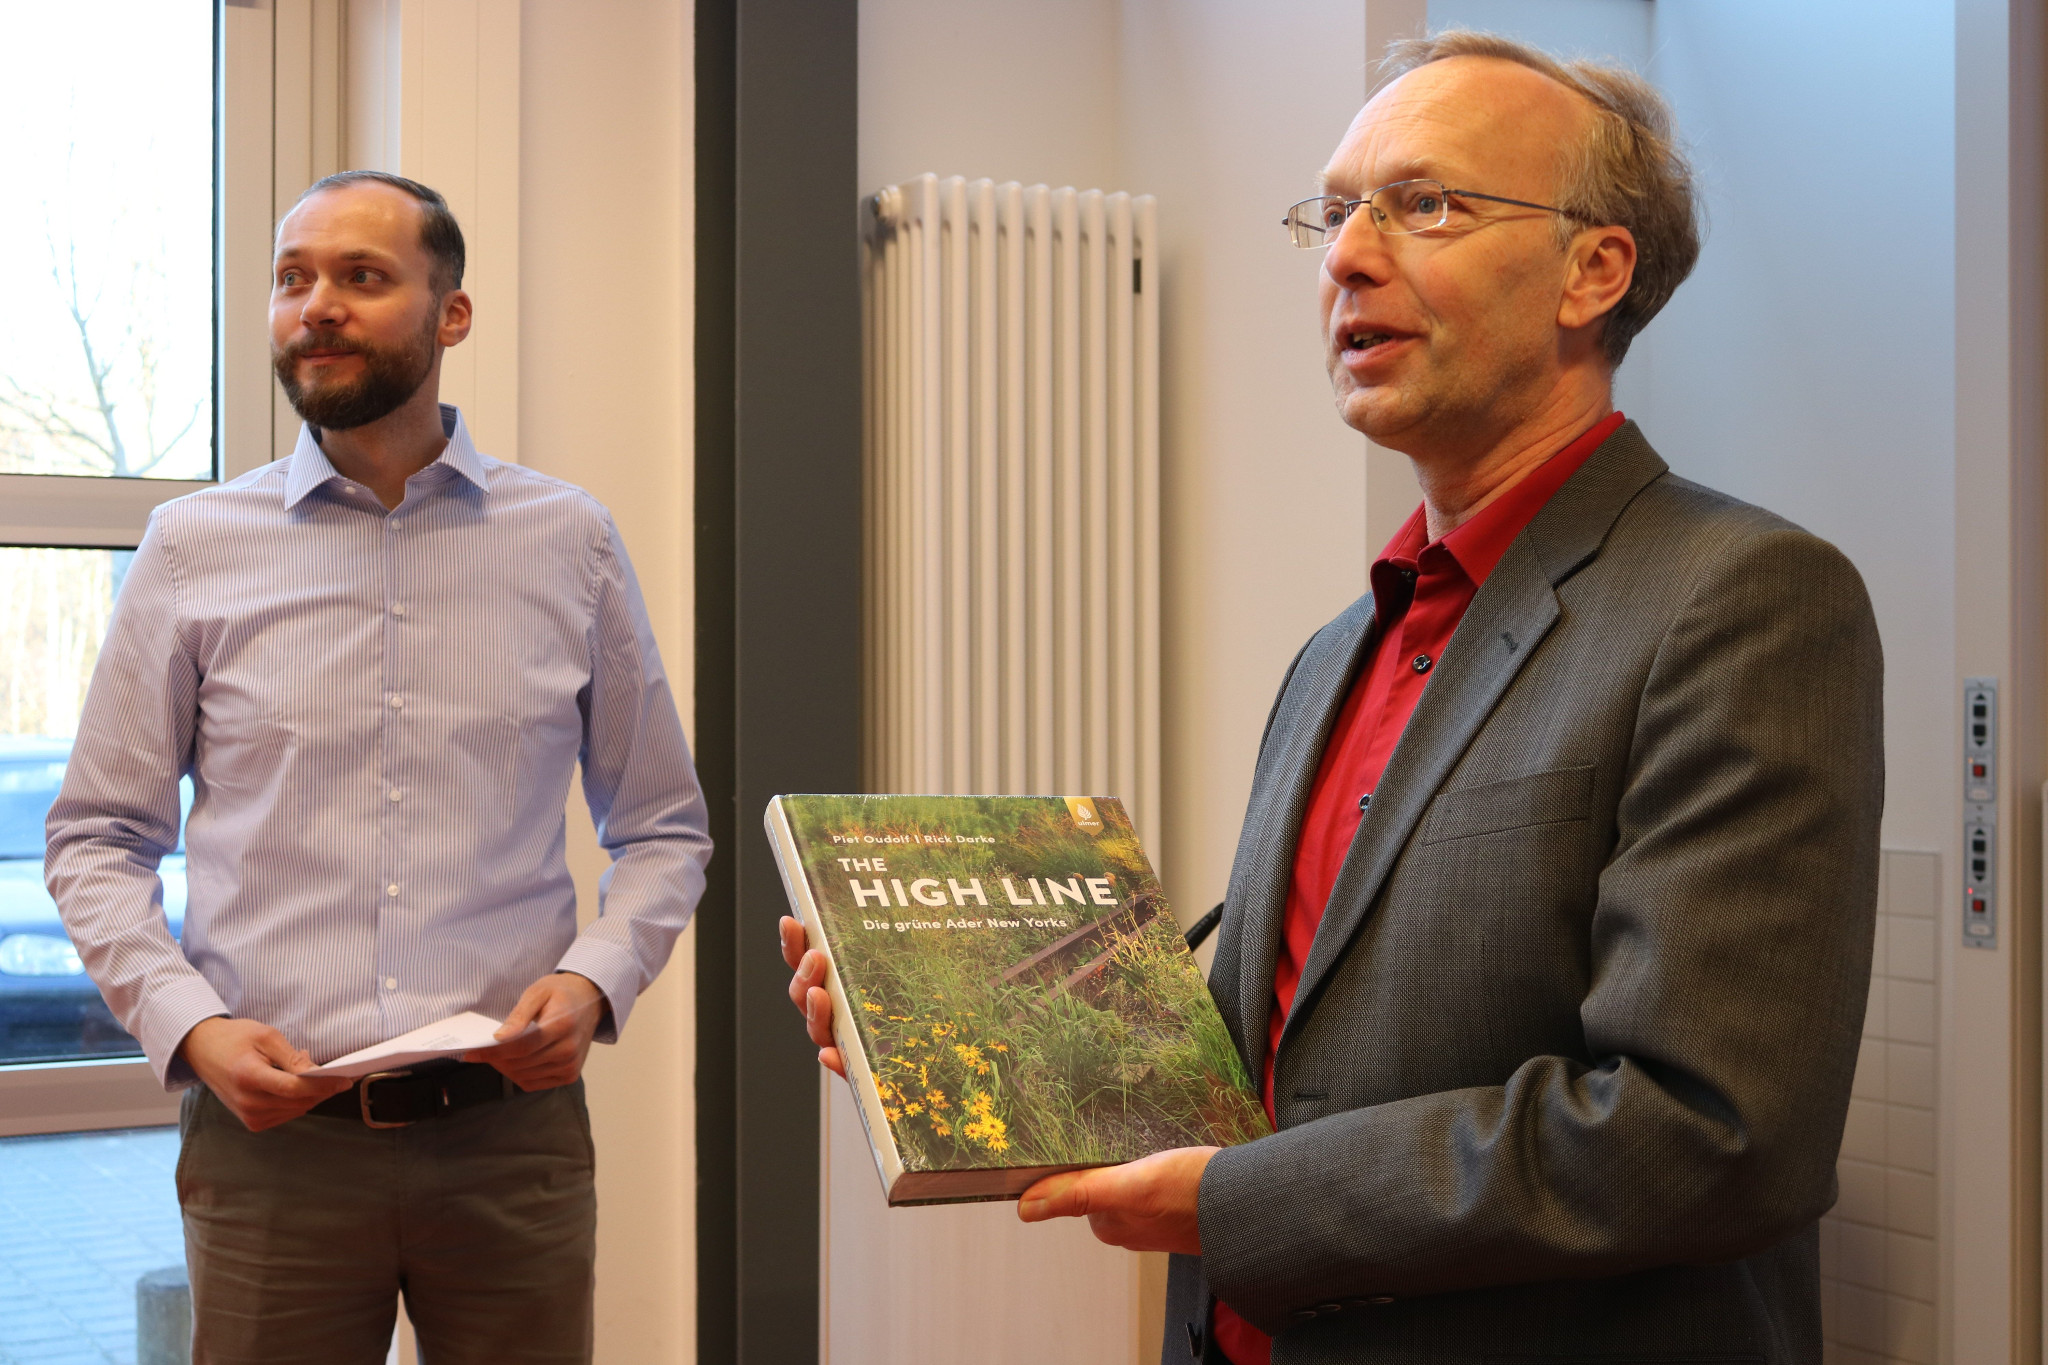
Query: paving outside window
(82, 1217)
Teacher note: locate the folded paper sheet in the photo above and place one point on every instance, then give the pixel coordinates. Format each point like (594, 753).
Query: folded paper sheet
(450, 1037)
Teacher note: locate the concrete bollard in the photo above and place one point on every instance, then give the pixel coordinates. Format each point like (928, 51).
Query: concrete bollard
(163, 1317)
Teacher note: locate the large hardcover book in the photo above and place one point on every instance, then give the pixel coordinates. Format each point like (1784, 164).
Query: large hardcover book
(1010, 991)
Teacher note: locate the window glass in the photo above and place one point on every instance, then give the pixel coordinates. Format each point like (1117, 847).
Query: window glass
(54, 609)
(106, 247)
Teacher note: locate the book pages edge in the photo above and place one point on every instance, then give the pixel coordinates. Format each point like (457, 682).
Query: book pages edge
(796, 885)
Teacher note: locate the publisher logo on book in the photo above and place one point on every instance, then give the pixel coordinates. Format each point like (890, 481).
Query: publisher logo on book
(1085, 815)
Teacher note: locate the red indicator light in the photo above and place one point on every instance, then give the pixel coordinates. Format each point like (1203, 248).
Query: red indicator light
(1976, 770)
(1977, 907)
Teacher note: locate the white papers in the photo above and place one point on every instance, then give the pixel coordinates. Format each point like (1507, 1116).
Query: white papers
(450, 1037)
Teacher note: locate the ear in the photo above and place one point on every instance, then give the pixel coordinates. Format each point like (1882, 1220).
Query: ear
(454, 318)
(1599, 265)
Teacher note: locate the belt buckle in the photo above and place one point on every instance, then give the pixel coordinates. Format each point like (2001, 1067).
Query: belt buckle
(363, 1097)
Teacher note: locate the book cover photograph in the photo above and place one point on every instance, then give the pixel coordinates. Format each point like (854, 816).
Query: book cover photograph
(1010, 991)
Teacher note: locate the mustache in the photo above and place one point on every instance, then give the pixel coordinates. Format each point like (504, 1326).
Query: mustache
(318, 341)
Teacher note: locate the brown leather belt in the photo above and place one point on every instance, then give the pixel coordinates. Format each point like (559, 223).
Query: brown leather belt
(394, 1099)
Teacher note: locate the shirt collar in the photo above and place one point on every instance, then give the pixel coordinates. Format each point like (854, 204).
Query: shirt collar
(1477, 545)
(311, 469)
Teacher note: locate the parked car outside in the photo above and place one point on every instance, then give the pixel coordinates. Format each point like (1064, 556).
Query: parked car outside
(49, 1009)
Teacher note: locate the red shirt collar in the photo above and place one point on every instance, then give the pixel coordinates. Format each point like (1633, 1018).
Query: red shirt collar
(1478, 544)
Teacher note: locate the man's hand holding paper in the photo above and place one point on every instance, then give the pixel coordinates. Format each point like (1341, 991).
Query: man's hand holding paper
(255, 1071)
(543, 1042)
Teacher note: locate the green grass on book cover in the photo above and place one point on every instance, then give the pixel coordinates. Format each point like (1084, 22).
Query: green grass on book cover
(1022, 992)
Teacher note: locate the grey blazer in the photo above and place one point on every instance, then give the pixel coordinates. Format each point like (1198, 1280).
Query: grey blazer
(1566, 1074)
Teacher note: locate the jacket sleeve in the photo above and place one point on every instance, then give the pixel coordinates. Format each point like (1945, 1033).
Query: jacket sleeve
(1730, 950)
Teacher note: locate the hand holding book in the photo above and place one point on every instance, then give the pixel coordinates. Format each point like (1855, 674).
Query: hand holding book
(807, 992)
(1145, 1205)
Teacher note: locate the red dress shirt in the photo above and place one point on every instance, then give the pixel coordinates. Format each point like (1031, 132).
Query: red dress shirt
(1419, 592)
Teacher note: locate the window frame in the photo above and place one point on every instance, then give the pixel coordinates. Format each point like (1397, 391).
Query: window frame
(276, 77)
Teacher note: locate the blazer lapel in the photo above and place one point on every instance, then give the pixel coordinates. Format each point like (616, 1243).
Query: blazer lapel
(1249, 949)
(1508, 618)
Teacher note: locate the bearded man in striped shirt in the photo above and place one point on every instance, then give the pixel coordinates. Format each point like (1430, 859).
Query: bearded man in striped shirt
(380, 661)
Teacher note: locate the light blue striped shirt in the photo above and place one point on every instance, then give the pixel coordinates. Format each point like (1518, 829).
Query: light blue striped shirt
(381, 713)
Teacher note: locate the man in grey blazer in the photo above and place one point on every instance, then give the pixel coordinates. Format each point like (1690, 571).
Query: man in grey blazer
(1560, 1046)
(1549, 930)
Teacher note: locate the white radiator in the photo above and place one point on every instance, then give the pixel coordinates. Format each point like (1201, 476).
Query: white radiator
(1012, 484)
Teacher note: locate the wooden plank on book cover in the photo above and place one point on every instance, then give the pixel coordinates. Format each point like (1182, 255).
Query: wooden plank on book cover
(1091, 944)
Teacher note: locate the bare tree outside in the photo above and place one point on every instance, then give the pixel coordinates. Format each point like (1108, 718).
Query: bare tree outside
(116, 412)
(107, 271)
(54, 610)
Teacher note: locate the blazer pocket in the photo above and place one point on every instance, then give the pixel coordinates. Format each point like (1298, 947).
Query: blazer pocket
(1548, 798)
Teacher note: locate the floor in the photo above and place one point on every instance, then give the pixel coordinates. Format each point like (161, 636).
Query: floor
(82, 1217)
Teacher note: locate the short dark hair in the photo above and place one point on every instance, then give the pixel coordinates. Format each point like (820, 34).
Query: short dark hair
(440, 234)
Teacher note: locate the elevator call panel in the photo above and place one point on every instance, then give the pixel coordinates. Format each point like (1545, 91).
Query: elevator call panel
(1980, 812)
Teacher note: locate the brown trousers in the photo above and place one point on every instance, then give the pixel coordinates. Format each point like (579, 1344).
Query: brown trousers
(301, 1238)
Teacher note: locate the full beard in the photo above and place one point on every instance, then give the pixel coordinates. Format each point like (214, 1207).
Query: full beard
(389, 378)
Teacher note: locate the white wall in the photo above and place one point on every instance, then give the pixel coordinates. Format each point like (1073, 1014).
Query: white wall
(1231, 110)
(1992, 1075)
(1226, 110)
(605, 402)
(1024, 92)
(1606, 29)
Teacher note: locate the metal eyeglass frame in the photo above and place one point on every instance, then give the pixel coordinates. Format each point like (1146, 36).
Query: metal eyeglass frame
(1351, 207)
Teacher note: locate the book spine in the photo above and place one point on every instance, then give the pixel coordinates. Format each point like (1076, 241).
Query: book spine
(796, 885)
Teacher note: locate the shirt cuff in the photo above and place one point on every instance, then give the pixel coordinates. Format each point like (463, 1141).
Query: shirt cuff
(168, 1018)
(612, 970)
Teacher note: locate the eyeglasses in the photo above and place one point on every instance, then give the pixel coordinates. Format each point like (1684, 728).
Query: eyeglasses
(1402, 207)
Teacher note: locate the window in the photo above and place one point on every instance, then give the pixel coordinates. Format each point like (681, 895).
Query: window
(133, 369)
(150, 143)
(108, 371)
(107, 360)
(54, 607)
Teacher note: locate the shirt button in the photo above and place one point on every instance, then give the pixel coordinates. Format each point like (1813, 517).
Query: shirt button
(397, 795)
(398, 610)
(348, 488)
(1365, 801)
(395, 525)
(391, 890)
(1422, 663)
(390, 983)
(398, 703)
